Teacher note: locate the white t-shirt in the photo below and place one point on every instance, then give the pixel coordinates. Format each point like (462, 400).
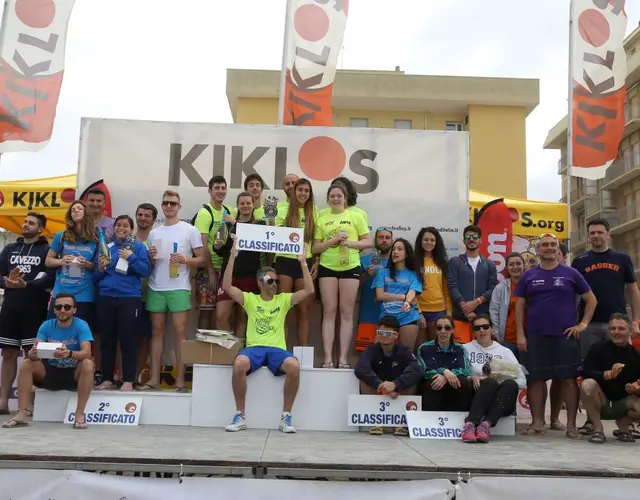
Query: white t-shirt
(478, 356)
(473, 262)
(163, 238)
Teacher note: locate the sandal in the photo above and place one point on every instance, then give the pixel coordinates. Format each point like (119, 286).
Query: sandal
(598, 437)
(80, 425)
(532, 431)
(344, 366)
(625, 437)
(149, 387)
(327, 365)
(105, 386)
(575, 435)
(127, 387)
(13, 423)
(557, 426)
(586, 430)
(182, 390)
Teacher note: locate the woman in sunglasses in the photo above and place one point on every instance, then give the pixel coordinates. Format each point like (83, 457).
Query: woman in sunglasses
(244, 272)
(396, 287)
(120, 302)
(493, 399)
(446, 385)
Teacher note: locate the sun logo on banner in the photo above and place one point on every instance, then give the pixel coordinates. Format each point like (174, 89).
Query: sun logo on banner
(130, 407)
(294, 238)
(411, 406)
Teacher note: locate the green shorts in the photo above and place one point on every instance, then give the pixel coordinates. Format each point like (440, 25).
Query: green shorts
(615, 410)
(174, 301)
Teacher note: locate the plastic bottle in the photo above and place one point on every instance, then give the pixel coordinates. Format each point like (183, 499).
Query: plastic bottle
(344, 251)
(174, 269)
(375, 258)
(104, 249)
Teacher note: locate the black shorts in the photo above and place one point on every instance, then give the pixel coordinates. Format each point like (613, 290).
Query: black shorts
(290, 267)
(552, 358)
(19, 326)
(84, 310)
(57, 379)
(349, 274)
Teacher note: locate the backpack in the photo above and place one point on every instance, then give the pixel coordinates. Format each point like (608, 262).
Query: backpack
(208, 208)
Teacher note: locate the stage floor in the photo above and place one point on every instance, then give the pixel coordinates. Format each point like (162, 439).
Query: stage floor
(260, 453)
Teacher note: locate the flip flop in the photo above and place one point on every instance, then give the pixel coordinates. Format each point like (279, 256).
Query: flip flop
(105, 386)
(126, 387)
(327, 365)
(575, 435)
(13, 423)
(532, 431)
(182, 390)
(557, 426)
(149, 388)
(80, 425)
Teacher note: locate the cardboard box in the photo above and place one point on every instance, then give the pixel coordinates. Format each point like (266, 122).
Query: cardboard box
(46, 349)
(195, 352)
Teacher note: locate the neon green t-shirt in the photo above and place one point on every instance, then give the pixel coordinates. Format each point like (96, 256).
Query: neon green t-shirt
(330, 225)
(355, 210)
(280, 222)
(265, 319)
(202, 223)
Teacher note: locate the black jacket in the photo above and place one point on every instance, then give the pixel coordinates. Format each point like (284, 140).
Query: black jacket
(29, 258)
(247, 263)
(401, 367)
(601, 357)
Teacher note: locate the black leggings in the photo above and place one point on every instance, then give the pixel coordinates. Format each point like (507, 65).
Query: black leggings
(492, 401)
(447, 398)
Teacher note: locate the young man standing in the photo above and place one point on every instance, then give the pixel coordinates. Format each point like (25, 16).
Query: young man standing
(388, 368)
(210, 222)
(96, 200)
(266, 341)
(26, 282)
(471, 279)
(146, 215)
(170, 248)
(70, 368)
(369, 313)
(547, 333)
(254, 184)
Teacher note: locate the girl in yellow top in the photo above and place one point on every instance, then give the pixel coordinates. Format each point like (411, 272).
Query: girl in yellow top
(350, 199)
(340, 235)
(300, 213)
(434, 302)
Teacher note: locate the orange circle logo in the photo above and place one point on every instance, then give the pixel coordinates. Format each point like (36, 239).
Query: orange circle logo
(411, 406)
(322, 158)
(130, 408)
(294, 238)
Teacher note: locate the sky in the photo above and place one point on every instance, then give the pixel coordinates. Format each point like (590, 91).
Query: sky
(167, 60)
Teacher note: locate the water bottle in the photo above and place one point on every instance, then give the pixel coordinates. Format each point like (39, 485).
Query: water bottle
(174, 269)
(223, 233)
(344, 251)
(104, 249)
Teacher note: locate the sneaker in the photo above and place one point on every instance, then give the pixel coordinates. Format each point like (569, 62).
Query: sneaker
(401, 431)
(469, 433)
(376, 431)
(483, 432)
(238, 423)
(285, 424)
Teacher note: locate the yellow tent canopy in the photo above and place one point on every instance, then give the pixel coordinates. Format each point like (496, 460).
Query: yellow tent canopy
(49, 196)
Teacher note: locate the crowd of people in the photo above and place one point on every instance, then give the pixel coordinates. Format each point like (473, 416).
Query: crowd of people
(428, 324)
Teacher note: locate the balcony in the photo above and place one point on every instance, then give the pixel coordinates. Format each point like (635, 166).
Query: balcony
(631, 119)
(624, 220)
(624, 169)
(577, 198)
(562, 166)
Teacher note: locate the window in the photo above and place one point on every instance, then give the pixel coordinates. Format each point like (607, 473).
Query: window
(403, 124)
(359, 122)
(454, 126)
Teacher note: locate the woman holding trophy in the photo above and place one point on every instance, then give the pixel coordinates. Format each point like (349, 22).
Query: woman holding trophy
(121, 266)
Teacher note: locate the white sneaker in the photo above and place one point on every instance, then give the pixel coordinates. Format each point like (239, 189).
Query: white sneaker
(285, 424)
(238, 423)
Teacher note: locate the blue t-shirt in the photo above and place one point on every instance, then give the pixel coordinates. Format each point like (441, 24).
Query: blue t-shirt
(403, 282)
(71, 337)
(550, 296)
(369, 307)
(81, 287)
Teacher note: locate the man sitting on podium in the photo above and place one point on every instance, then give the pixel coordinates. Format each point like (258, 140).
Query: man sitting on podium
(388, 368)
(69, 368)
(266, 342)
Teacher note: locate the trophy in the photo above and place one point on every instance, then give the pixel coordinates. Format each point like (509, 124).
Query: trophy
(104, 249)
(271, 209)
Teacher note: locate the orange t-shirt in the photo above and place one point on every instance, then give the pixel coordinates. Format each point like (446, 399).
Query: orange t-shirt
(510, 332)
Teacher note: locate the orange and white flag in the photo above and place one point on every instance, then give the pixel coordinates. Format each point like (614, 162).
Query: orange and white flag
(598, 70)
(32, 52)
(315, 34)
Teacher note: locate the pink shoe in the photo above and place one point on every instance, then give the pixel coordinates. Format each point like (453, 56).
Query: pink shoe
(469, 433)
(483, 432)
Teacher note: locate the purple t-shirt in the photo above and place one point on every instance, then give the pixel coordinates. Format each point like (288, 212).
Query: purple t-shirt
(551, 299)
(107, 224)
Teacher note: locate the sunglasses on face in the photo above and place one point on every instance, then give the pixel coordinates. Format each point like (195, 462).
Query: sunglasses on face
(446, 328)
(170, 203)
(385, 333)
(271, 281)
(473, 237)
(477, 328)
(60, 307)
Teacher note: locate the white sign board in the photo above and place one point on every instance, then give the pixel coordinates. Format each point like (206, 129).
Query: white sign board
(449, 424)
(381, 411)
(269, 239)
(106, 409)
(390, 168)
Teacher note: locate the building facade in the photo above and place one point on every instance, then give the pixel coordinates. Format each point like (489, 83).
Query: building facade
(492, 110)
(615, 198)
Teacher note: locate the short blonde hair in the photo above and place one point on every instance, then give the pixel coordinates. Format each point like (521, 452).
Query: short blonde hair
(171, 193)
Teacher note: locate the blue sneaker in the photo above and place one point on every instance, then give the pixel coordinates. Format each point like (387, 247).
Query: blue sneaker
(238, 423)
(285, 424)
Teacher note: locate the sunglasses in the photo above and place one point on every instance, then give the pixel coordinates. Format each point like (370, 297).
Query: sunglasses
(271, 281)
(385, 333)
(477, 328)
(446, 328)
(548, 235)
(60, 307)
(473, 237)
(385, 228)
(169, 203)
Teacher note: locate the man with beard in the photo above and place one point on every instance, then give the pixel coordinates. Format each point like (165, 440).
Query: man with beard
(26, 281)
(369, 308)
(288, 184)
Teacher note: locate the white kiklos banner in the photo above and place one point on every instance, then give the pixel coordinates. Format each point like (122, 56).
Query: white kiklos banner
(32, 48)
(406, 179)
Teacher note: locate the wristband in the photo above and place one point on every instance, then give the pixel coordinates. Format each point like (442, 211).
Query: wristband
(479, 301)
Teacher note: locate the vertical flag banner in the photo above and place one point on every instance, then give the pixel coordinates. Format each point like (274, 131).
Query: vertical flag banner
(314, 37)
(32, 51)
(496, 223)
(598, 69)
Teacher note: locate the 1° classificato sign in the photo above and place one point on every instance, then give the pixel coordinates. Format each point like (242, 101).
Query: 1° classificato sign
(270, 239)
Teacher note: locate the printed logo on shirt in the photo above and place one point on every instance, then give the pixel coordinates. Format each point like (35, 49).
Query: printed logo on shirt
(558, 281)
(537, 283)
(480, 358)
(263, 326)
(602, 265)
(431, 270)
(24, 262)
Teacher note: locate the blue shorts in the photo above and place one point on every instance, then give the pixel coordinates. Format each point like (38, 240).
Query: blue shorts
(433, 316)
(271, 357)
(144, 323)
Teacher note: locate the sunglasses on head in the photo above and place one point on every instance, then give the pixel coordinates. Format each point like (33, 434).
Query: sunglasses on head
(446, 328)
(167, 203)
(485, 326)
(384, 228)
(60, 307)
(474, 237)
(271, 281)
(385, 333)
